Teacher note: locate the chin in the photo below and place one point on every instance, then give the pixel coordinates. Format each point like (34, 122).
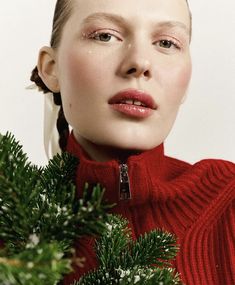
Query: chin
(132, 144)
(134, 136)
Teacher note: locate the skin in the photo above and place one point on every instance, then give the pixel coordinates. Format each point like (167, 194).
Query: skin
(89, 68)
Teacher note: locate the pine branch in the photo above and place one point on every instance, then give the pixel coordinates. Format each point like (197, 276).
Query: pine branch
(16, 174)
(155, 247)
(123, 261)
(14, 164)
(134, 276)
(41, 264)
(39, 208)
(61, 170)
(34, 201)
(111, 246)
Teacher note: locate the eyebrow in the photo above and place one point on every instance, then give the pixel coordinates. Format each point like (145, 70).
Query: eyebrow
(121, 21)
(104, 16)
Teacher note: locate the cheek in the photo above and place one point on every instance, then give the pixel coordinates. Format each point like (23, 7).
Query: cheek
(79, 70)
(175, 81)
(82, 76)
(183, 75)
(85, 70)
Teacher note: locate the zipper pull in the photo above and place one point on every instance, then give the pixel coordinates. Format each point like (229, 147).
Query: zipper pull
(124, 183)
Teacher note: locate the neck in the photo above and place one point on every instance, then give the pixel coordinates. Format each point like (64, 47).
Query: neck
(102, 153)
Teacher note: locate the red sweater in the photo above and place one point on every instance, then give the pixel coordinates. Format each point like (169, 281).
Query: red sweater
(195, 202)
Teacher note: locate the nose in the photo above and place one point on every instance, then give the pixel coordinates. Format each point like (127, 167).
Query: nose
(135, 63)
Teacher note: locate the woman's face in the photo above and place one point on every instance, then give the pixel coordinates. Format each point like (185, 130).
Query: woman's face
(132, 47)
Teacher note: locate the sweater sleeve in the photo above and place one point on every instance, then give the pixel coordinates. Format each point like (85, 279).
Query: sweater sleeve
(208, 249)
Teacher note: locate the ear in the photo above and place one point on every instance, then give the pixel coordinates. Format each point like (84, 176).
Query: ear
(47, 68)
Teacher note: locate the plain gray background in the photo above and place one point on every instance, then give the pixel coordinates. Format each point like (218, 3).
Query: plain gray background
(205, 127)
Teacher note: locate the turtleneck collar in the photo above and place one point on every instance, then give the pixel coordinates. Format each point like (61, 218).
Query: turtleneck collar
(143, 170)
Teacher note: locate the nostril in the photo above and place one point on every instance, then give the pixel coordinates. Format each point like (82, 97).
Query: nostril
(132, 70)
(146, 73)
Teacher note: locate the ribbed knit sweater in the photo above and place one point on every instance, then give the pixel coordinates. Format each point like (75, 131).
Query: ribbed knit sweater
(195, 202)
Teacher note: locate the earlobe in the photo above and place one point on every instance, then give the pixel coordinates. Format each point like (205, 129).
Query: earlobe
(47, 68)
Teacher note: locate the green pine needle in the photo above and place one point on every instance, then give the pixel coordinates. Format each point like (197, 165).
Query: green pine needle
(123, 261)
(39, 207)
(41, 264)
(155, 247)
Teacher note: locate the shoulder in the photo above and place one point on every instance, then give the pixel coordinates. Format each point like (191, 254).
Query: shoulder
(213, 167)
(216, 173)
(210, 177)
(208, 186)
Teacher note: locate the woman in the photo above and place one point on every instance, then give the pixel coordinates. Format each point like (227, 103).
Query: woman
(120, 71)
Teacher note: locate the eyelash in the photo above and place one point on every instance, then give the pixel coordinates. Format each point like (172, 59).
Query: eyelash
(95, 36)
(171, 42)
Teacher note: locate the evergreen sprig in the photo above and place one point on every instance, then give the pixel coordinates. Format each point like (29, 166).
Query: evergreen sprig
(40, 215)
(126, 262)
(42, 264)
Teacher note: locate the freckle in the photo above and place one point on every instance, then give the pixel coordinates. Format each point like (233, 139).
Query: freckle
(70, 106)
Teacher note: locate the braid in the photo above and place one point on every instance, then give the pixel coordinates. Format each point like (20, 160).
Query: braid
(61, 124)
(38, 81)
(63, 129)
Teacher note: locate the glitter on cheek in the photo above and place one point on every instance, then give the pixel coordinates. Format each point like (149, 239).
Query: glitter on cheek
(83, 67)
(84, 35)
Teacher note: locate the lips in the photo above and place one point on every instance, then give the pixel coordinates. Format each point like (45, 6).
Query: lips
(134, 103)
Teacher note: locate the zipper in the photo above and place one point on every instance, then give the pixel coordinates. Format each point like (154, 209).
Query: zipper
(124, 183)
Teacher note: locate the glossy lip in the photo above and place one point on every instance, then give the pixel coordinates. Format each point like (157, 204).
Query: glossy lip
(116, 102)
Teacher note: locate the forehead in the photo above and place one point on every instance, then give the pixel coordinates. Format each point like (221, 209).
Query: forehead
(134, 10)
